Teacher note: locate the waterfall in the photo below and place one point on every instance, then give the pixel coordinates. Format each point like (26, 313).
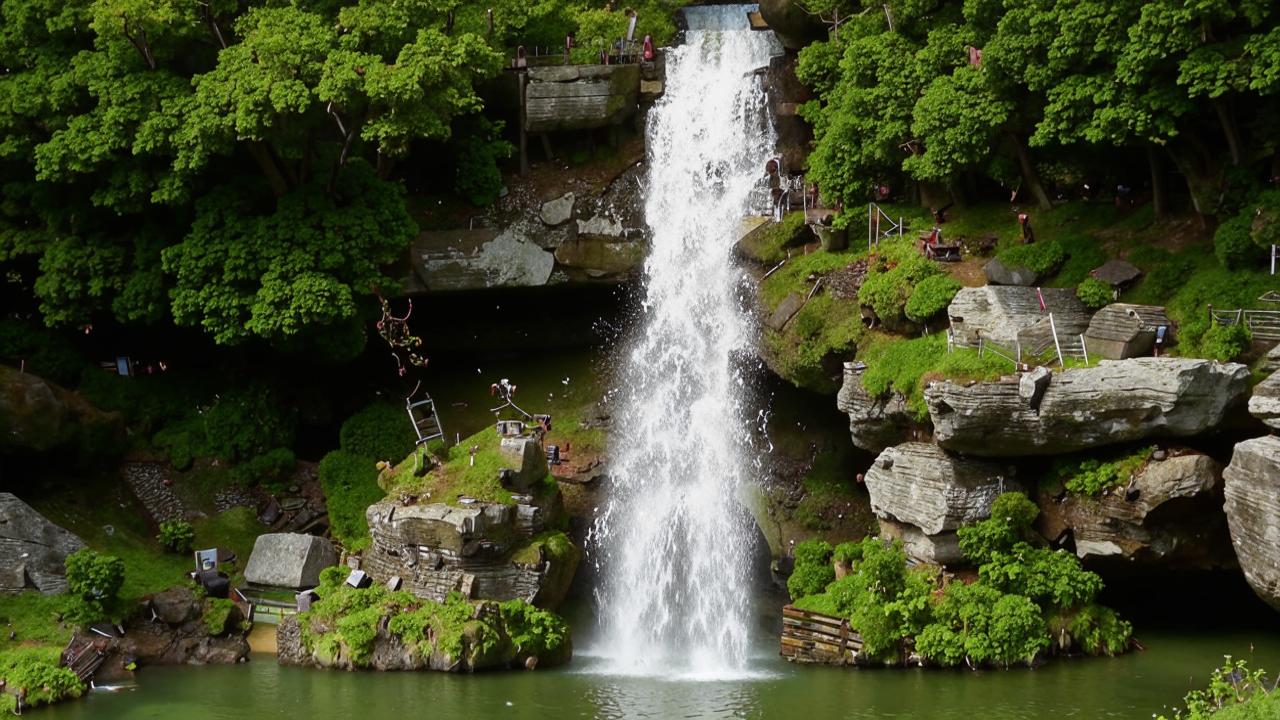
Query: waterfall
(672, 543)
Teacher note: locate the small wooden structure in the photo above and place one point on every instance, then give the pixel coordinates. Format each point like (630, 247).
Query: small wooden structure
(426, 423)
(812, 637)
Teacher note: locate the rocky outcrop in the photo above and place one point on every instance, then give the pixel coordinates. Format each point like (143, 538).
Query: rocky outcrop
(557, 211)
(174, 628)
(794, 27)
(1168, 516)
(289, 560)
(1252, 489)
(1113, 402)
(484, 550)
(998, 273)
(33, 551)
(939, 549)
(933, 493)
(875, 423)
(786, 93)
(37, 416)
(1265, 402)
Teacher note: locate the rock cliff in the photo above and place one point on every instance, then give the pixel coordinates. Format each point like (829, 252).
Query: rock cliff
(875, 423)
(1252, 489)
(33, 551)
(1113, 402)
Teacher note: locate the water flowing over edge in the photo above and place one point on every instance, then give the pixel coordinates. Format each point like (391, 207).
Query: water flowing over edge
(673, 543)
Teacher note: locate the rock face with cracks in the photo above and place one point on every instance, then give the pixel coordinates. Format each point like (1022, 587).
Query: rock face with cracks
(1113, 402)
(875, 423)
(922, 494)
(1252, 490)
(33, 551)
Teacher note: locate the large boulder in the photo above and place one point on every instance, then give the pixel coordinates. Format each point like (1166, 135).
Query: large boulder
(1113, 402)
(998, 273)
(875, 423)
(794, 27)
(1265, 402)
(1252, 489)
(923, 494)
(289, 560)
(37, 416)
(1015, 316)
(1168, 516)
(33, 551)
(489, 551)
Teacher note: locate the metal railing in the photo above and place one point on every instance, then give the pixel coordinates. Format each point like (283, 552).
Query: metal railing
(1262, 324)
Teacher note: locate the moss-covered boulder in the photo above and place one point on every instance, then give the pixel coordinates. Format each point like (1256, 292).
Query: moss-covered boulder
(38, 416)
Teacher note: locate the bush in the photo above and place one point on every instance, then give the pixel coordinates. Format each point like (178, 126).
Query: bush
(478, 178)
(1091, 476)
(381, 431)
(1233, 244)
(1225, 342)
(931, 297)
(812, 572)
(177, 536)
(37, 671)
(887, 286)
(271, 469)
(1009, 524)
(350, 484)
(1041, 257)
(93, 584)
(1235, 691)
(1093, 293)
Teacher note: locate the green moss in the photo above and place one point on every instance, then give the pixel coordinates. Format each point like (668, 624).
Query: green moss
(217, 611)
(825, 328)
(930, 297)
(1040, 257)
(1093, 474)
(902, 366)
(794, 275)
(551, 545)
(37, 671)
(768, 244)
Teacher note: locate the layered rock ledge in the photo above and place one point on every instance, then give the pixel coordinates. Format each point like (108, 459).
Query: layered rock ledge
(1252, 489)
(1113, 402)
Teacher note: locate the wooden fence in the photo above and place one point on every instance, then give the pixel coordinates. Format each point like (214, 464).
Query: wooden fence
(812, 637)
(1262, 324)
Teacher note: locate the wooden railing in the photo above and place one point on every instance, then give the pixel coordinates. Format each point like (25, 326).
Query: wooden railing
(812, 637)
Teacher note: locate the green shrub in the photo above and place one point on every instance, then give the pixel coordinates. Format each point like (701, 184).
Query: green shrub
(271, 469)
(534, 631)
(245, 423)
(1225, 342)
(177, 536)
(1093, 293)
(888, 285)
(93, 585)
(1009, 524)
(1233, 244)
(1235, 692)
(175, 440)
(1041, 257)
(350, 484)
(931, 297)
(1098, 630)
(813, 571)
(381, 431)
(476, 161)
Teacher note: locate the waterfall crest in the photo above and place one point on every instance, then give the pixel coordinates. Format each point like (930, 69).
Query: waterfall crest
(672, 543)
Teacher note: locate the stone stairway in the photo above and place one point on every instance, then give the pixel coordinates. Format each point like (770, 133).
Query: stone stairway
(146, 479)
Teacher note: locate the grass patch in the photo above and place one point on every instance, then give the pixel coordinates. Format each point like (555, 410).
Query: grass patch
(794, 276)
(903, 366)
(768, 244)
(826, 327)
(350, 484)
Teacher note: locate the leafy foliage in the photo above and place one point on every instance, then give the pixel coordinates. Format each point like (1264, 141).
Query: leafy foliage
(1235, 692)
(1093, 293)
(1092, 475)
(889, 285)
(217, 613)
(1233, 245)
(813, 571)
(36, 670)
(350, 484)
(380, 431)
(1226, 342)
(931, 296)
(1041, 257)
(93, 584)
(177, 536)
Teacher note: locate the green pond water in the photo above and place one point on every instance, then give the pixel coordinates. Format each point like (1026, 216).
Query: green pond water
(1134, 686)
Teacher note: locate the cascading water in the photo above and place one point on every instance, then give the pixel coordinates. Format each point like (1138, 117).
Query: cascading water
(672, 543)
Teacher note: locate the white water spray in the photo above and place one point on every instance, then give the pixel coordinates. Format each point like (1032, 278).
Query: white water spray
(673, 544)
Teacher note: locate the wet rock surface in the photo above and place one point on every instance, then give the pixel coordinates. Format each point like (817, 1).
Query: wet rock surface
(1113, 402)
(1252, 489)
(33, 551)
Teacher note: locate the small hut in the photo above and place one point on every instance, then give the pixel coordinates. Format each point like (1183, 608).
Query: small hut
(1122, 330)
(1119, 274)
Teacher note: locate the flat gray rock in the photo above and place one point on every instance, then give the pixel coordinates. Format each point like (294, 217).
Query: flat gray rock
(1265, 402)
(558, 211)
(1252, 490)
(33, 551)
(289, 560)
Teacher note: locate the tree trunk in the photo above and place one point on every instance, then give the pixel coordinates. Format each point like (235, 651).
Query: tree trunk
(1228, 128)
(1202, 181)
(1029, 175)
(263, 156)
(1159, 199)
